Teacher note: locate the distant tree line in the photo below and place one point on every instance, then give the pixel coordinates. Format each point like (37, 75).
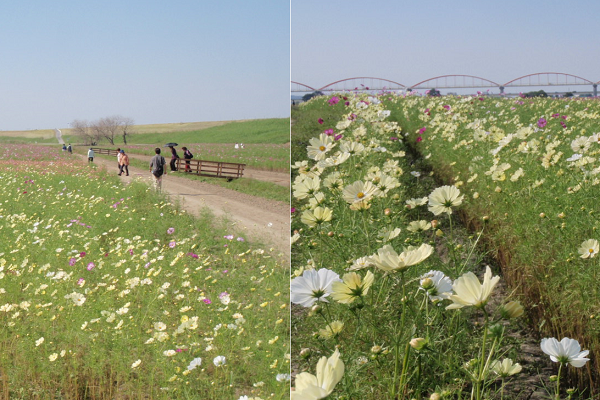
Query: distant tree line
(109, 128)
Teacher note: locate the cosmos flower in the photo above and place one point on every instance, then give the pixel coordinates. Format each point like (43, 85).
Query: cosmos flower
(437, 285)
(359, 191)
(312, 286)
(388, 260)
(505, 367)
(219, 361)
(317, 216)
(329, 372)
(351, 287)
(589, 248)
(196, 362)
(567, 351)
(442, 199)
(469, 292)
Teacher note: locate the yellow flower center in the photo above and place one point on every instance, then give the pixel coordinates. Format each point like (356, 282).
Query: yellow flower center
(360, 195)
(322, 148)
(591, 251)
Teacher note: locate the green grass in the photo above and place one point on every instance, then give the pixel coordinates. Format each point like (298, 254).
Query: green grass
(78, 232)
(275, 131)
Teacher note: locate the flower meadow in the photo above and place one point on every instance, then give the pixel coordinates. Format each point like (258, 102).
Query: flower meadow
(391, 298)
(108, 291)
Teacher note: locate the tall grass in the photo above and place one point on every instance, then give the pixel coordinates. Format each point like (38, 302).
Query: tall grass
(111, 292)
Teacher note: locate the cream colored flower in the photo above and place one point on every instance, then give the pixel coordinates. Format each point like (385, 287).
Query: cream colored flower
(589, 248)
(388, 260)
(317, 216)
(306, 186)
(442, 199)
(331, 330)
(419, 226)
(505, 368)
(351, 287)
(469, 292)
(359, 192)
(319, 147)
(329, 372)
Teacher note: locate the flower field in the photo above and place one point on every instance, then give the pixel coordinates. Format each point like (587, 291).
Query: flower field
(110, 292)
(390, 299)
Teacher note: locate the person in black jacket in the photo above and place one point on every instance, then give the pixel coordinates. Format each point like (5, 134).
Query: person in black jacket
(174, 157)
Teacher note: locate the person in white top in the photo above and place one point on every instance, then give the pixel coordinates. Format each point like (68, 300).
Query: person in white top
(119, 155)
(90, 155)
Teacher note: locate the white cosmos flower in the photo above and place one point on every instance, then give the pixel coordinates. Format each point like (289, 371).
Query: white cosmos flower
(360, 263)
(196, 362)
(219, 361)
(437, 285)
(312, 286)
(443, 198)
(567, 351)
(589, 248)
(469, 292)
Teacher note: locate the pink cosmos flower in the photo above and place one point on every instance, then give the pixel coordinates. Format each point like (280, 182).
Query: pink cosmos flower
(82, 254)
(321, 121)
(80, 281)
(72, 261)
(170, 231)
(172, 244)
(207, 301)
(422, 130)
(333, 101)
(91, 266)
(542, 122)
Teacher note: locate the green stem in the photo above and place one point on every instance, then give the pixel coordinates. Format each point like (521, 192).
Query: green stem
(558, 382)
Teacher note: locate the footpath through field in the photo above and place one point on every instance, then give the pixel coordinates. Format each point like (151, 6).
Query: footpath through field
(261, 220)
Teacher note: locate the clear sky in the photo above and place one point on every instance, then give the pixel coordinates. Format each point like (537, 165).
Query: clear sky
(152, 61)
(411, 41)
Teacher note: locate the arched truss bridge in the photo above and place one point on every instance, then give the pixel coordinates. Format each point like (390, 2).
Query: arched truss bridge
(449, 82)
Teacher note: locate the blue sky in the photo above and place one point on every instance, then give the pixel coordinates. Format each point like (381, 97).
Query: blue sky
(152, 61)
(411, 41)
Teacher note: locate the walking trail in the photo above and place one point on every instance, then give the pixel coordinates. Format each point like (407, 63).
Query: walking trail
(264, 222)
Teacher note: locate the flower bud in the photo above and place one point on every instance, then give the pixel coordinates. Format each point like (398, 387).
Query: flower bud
(376, 349)
(305, 353)
(439, 233)
(387, 212)
(542, 215)
(553, 378)
(435, 396)
(330, 234)
(427, 283)
(434, 223)
(419, 343)
(512, 309)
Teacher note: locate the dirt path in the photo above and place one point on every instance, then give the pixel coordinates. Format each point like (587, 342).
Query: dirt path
(261, 220)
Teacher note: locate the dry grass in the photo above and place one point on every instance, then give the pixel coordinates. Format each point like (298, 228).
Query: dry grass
(149, 128)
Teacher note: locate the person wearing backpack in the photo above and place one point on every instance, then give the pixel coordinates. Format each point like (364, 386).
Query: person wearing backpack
(188, 156)
(157, 168)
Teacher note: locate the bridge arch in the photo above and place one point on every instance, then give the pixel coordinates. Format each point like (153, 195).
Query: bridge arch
(454, 81)
(301, 87)
(362, 83)
(548, 79)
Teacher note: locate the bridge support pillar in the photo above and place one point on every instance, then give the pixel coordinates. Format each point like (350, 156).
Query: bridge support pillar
(501, 89)
(595, 86)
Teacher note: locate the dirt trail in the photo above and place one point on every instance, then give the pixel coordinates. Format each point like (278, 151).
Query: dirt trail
(261, 220)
